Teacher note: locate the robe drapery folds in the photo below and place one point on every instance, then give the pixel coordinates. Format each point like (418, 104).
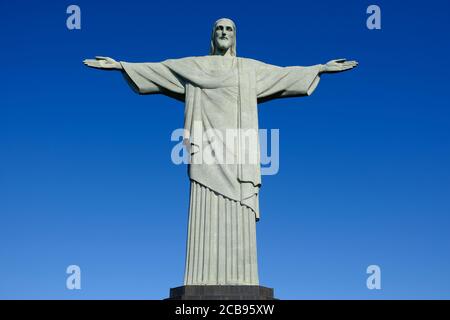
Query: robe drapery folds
(221, 93)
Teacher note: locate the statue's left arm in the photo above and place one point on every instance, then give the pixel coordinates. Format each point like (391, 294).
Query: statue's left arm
(274, 82)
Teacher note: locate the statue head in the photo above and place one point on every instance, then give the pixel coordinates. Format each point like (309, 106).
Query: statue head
(223, 37)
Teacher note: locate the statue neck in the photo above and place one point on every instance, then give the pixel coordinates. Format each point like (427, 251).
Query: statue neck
(225, 53)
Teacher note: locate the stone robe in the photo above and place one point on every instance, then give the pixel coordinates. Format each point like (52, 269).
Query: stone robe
(221, 95)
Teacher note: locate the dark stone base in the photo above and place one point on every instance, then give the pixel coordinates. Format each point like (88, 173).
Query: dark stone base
(221, 293)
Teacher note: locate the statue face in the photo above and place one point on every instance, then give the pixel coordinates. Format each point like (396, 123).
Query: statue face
(224, 34)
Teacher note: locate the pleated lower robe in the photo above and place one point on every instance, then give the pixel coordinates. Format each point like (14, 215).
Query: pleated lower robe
(221, 245)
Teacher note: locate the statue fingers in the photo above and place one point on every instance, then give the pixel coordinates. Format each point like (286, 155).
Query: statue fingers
(90, 62)
(353, 62)
(347, 67)
(350, 64)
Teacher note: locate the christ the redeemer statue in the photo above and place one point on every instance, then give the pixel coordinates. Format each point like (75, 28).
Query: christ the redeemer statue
(221, 92)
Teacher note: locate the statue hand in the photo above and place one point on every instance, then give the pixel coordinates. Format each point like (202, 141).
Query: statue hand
(103, 63)
(338, 65)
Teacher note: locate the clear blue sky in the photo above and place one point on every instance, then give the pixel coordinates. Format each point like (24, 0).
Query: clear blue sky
(85, 170)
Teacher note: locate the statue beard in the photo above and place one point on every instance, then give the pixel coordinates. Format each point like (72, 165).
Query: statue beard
(223, 44)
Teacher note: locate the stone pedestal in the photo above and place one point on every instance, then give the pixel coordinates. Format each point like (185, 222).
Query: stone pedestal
(212, 292)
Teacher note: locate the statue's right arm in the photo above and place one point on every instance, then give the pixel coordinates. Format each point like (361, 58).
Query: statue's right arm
(104, 63)
(144, 78)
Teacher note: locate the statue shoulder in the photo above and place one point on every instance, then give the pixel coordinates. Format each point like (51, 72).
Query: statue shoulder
(252, 62)
(185, 59)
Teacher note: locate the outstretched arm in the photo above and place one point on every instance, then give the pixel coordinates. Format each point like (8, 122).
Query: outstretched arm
(105, 63)
(279, 82)
(144, 78)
